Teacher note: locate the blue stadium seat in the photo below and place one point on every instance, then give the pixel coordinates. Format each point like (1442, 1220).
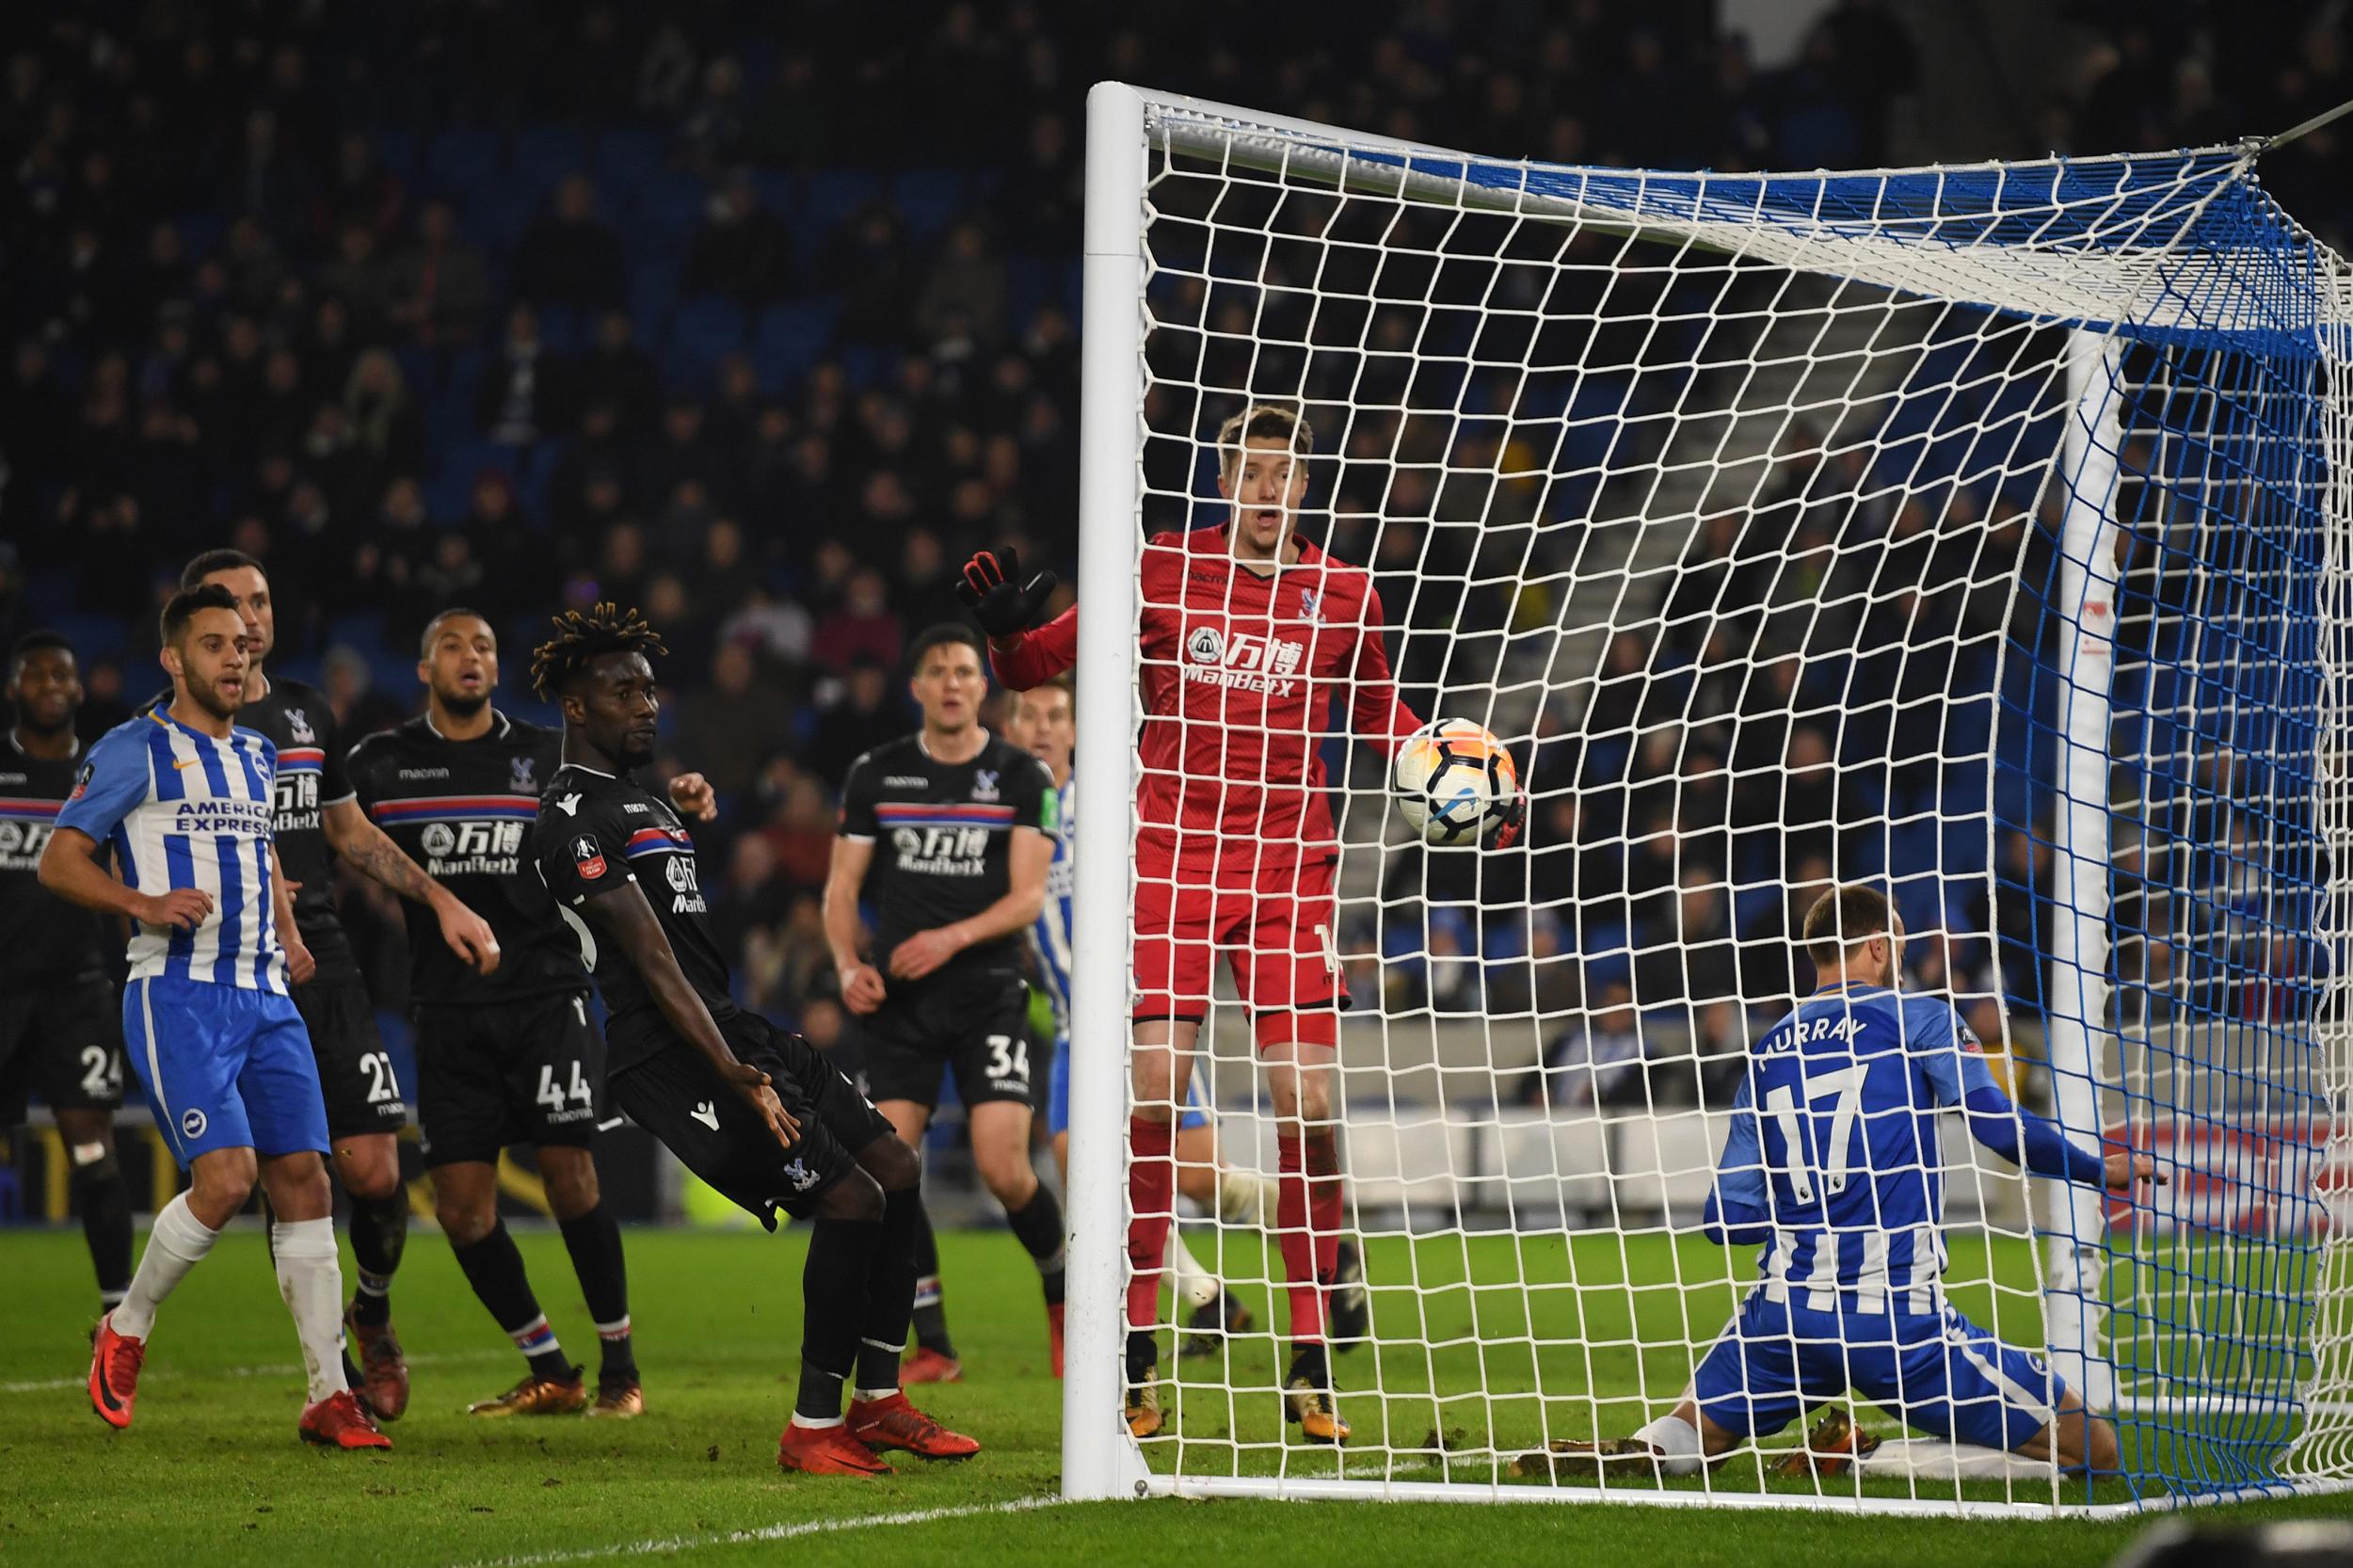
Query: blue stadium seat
(827, 198)
(624, 159)
(666, 202)
(543, 155)
(461, 161)
(789, 339)
(928, 199)
(702, 332)
(561, 326)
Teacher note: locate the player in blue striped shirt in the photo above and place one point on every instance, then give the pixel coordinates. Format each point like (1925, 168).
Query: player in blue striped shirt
(1832, 1163)
(182, 800)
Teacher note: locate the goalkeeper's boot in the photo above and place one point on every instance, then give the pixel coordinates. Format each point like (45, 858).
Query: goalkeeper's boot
(383, 1385)
(1577, 1458)
(893, 1423)
(1307, 1397)
(113, 1372)
(826, 1451)
(1212, 1324)
(1142, 1409)
(1350, 1302)
(340, 1421)
(537, 1396)
(1835, 1447)
(929, 1366)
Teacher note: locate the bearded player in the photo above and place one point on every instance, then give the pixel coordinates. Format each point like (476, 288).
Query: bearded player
(1248, 631)
(317, 821)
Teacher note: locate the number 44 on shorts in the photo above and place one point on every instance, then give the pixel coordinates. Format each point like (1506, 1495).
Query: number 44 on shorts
(554, 1094)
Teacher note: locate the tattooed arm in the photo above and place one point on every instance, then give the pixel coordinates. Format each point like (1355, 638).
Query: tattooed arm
(365, 847)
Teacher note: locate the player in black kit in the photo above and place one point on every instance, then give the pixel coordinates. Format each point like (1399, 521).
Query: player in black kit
(509, 1057)
(750, 1109)
(60, 1031)
(317, 821)
(949, 834)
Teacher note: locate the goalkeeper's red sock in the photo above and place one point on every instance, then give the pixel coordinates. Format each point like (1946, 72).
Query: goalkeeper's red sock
(1324, 1204)
(1152, 1204)
(1294, 1218)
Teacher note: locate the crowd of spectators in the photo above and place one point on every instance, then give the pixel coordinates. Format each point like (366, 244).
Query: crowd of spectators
(760, 317)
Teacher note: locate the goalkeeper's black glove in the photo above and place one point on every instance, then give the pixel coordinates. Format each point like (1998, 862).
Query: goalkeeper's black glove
(992, 589)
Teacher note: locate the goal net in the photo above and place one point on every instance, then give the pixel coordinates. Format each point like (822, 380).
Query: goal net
(1979, 533)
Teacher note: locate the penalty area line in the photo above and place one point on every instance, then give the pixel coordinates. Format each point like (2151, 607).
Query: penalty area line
(665, 1545)
(273, 1370)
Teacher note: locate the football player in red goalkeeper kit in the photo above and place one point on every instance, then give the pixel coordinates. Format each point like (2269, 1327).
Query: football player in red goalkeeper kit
(1247, 633)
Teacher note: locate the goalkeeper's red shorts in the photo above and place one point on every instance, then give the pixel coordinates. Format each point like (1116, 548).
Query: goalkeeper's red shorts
(1275, 926)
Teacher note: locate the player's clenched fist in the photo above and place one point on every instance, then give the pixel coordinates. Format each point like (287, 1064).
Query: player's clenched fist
(184, 907)
(999, 600)
(862, 988)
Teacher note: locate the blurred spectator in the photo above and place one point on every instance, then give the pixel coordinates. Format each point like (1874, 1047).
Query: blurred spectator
(730, 726)
(864, 719)
(439, 286)
(618, 374)
(517, 399)
(742, 249)
(1595, 1062)
(569, 254)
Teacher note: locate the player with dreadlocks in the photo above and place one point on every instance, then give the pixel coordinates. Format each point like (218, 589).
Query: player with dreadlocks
(750, 1109)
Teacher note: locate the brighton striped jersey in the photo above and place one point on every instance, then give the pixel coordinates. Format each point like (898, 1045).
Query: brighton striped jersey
(1052, 930)
(1833, 1147)
(181, 809)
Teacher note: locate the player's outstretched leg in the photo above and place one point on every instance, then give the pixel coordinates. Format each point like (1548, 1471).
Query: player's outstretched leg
(102, 1197)
(1000, 1149)
(464, 1200)
(369, 1168)
(594, 1240)
(834, 1287)
(1212, 1315)
(880, 1414)
(310, 1278)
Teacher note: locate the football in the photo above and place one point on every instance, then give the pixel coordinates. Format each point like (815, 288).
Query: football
(1454, 782)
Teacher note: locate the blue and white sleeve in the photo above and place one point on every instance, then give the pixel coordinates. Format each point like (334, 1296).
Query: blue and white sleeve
(1952, 1063)
(114, 780)
(1739, 1205)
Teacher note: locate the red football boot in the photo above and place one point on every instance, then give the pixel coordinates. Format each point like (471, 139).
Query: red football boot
(1053, 1335)
(893, 1423)
(337, 1422)
(929, 1366)
(113, 1372)
(383, 1369)
(826, 1451)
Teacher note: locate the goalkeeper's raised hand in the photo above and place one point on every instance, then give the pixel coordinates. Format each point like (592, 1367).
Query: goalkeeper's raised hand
(992, 589)
(1512, 819)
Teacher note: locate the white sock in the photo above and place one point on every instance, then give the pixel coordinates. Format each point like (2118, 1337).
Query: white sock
(1245, 1197)
(1196, 1285)
(310, 1277)
(1678, 1445)
(176, 1244)
(1934, 1459)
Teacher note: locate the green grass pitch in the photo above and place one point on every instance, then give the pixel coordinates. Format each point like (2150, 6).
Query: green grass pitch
(212, 1471)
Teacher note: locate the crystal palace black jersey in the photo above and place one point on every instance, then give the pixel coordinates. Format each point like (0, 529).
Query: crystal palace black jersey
(464, 810)
(44, 939)
(300, 722)
(597, 833)
(942, 834)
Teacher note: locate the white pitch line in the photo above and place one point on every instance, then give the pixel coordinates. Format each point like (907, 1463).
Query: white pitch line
(279, 1369)
(665, 1545)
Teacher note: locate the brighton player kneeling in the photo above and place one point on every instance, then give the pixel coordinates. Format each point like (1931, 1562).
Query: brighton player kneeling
(1832, 1160)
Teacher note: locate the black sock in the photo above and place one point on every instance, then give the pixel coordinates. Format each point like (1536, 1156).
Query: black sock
(1143, 1356)
(833, 1299)
(1309, 1361)
(889, 1293)
(1038, 1227)
(594, 1240)
(931, 1310)
(494, 1268)
(104, 1198)
(380, 1229)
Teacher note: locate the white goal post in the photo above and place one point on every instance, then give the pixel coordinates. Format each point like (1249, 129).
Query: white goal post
(1982, 532)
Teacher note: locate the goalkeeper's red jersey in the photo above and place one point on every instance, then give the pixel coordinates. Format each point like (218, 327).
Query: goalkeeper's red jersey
(1239, 675)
